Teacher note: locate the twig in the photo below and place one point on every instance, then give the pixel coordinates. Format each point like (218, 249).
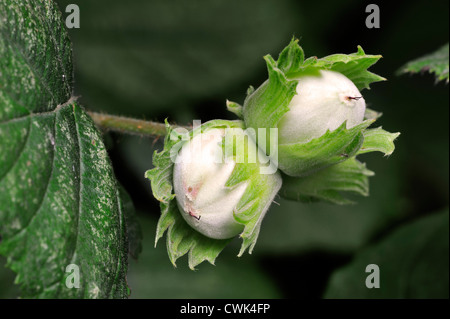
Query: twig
(128, 125)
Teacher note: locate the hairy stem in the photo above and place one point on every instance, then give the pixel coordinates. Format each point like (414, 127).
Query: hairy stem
(127, 125)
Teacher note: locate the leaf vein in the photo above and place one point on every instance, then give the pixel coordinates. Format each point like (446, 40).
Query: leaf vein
(45, 191)
(55, 44)
(20, 153)
(30, 65)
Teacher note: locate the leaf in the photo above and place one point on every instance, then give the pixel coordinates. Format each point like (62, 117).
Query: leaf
(327, 184)
(354, 66)
(291, 59)
(264, 107)
(161, 176)
(235, 108)
(436, 62)
(413, 262)
(379, 140)
(181, 238)
(333, 147)
(259, 193)
(59, 200)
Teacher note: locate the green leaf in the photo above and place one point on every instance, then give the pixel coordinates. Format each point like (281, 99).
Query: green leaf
(379, 140)
(436, 62)
(59, 200)
(161, 176)
(413, 262)
(354, 66)
(258, 195)
(264, 107)
(333, 147)
(181, 238)
(327, 184)
(291, 59)
(235, 108)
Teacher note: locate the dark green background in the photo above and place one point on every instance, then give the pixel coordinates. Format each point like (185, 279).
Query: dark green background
(183, 59)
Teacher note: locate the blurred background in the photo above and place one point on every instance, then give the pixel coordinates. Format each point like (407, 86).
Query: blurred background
(182, 59)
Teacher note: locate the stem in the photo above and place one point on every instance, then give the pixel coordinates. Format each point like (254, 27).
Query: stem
(127, 125)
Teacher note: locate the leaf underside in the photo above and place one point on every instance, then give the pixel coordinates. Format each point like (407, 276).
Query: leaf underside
(59, 200)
